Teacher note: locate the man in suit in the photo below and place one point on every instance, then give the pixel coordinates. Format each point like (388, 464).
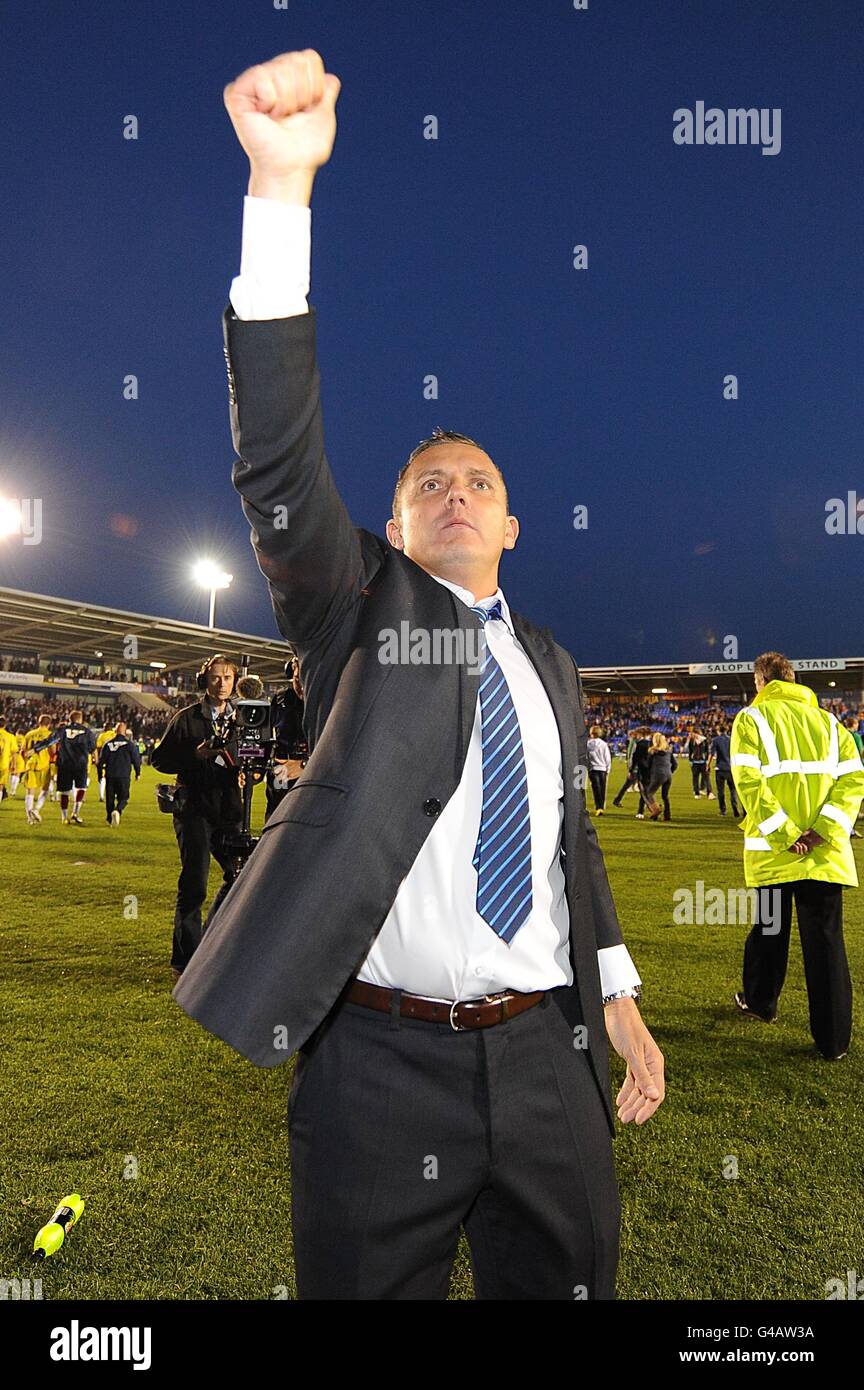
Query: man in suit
(444, 950)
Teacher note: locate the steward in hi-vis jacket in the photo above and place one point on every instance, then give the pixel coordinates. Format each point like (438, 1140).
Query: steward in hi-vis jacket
(796, 768)
(801, 782)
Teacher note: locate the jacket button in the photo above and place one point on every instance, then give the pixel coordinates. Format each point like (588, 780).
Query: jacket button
(432, 807)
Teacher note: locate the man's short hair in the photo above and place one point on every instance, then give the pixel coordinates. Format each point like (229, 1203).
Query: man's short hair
(77, 715)
(438, 436)
(773, 666)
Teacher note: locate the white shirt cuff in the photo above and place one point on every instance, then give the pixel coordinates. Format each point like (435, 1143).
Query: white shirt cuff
(275, 260)
(617, 970)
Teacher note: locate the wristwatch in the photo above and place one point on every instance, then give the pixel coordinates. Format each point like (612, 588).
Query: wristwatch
(635, 992)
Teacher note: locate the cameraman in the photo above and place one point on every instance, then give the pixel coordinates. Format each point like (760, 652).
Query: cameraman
(207, 805)
(290, 752)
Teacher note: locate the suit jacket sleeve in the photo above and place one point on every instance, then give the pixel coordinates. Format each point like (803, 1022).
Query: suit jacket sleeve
(303, 538)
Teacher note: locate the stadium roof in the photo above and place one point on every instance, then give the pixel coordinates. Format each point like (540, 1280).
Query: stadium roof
(59, 627)
(718, 679)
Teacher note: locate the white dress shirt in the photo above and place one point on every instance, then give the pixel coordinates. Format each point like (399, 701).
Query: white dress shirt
(433, 941)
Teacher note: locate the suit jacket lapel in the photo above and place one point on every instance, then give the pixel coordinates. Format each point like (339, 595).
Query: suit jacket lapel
(559, 682)
(563, 696)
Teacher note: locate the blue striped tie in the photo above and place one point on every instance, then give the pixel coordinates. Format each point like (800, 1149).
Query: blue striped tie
(502, 857)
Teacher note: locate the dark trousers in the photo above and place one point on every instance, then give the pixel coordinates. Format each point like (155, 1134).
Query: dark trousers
(701, 781)
(819, 908)
(724, 780)
(649, 794)
(197, 839)
(598, 787)
(116, 795)
(402, 1131)
(632, 776)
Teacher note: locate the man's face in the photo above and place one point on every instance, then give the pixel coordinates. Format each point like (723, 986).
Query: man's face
(220, 682)
(453, 511)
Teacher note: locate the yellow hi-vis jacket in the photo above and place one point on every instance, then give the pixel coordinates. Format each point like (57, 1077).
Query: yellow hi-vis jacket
(796, 768)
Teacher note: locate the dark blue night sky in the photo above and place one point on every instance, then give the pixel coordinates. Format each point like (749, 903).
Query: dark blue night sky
(602, 387)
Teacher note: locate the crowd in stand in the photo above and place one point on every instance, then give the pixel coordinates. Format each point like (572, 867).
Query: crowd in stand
(26, 664)
(618, 719)
(68, 670)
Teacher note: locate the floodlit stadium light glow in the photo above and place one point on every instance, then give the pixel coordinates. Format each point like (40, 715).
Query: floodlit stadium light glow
(659, 690)
(158, 665)
(10, 517)
(211, 576)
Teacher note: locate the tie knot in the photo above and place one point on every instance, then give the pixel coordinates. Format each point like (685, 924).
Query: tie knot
(484, 614)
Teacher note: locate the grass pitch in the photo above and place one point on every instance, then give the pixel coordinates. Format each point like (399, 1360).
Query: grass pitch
(180, 1147)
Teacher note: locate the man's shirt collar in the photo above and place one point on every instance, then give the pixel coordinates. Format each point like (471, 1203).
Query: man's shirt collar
(468, 598)
(209, 708)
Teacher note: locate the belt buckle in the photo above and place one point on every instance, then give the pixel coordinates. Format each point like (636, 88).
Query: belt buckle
(455, 1026)
(503, 998)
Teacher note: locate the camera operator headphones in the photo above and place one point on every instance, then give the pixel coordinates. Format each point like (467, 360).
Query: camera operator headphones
(204, 671)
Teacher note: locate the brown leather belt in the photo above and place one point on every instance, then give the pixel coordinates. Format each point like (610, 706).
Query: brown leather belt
(461, 1015)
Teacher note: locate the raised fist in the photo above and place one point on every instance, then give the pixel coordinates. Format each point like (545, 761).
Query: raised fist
(284, 113)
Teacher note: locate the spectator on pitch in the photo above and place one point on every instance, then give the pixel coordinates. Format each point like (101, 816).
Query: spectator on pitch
(801, 782)
(642, 766)
(599, 763)
(117, 759)
(632, 775)
(75, 742)
(851, 722)
(718, 757)
(697, 752)
(661, 765)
